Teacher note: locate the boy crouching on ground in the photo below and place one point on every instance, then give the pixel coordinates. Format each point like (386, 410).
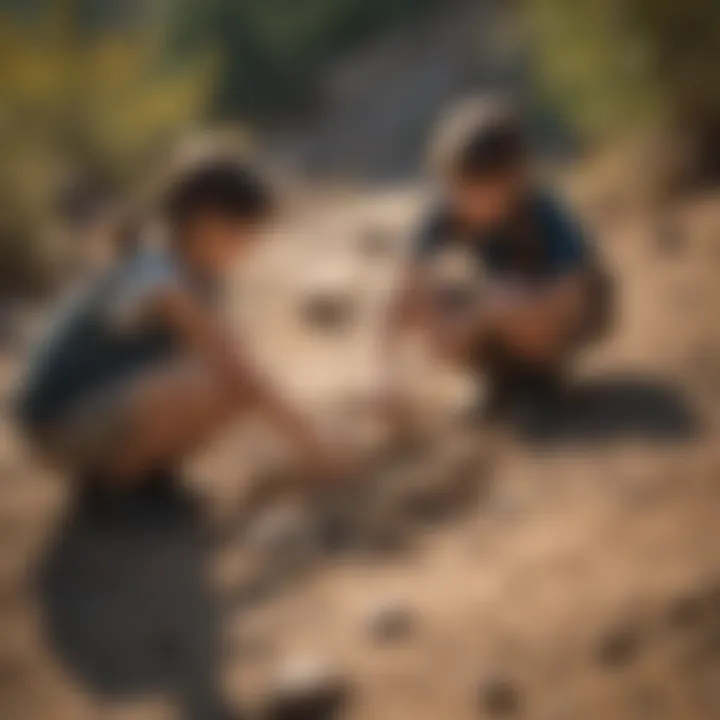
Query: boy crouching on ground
(545, 295)
(140, 371)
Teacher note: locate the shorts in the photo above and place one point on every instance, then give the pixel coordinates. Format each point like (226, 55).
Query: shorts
(90, 434)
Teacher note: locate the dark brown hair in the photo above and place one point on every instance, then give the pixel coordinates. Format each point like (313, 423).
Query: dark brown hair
(226, 186)
(480, 139)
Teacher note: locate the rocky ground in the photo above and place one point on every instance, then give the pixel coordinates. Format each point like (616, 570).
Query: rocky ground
(557, 570)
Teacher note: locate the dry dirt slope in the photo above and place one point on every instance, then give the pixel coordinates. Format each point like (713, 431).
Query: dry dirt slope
(581, 579)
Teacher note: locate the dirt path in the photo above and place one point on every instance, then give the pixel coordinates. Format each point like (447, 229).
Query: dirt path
(582, 580)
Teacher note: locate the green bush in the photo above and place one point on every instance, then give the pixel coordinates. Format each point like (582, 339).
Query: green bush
(100, 106)
(274, 50)
(612, 63)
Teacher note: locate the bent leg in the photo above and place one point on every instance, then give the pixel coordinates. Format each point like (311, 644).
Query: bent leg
(169, 414)
(153, 420)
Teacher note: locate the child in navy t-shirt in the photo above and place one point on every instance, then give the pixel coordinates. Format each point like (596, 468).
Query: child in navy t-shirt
(543, 293)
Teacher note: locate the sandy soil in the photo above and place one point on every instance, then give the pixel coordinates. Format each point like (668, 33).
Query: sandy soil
(562, 570)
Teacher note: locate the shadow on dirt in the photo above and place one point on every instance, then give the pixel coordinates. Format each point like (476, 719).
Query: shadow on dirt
(611, 408)
(127, 606)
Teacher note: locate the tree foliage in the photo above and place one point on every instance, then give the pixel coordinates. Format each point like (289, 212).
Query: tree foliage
(274, 50)
(95, 103)
(608, 62)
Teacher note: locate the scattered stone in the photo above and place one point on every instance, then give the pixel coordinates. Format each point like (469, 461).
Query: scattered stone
(330, 312)
(618, 649)
(390, 621)
(306, 689)
(328, 296)
(501, 698)
(438, 494)
(284, 535)
(337, 535)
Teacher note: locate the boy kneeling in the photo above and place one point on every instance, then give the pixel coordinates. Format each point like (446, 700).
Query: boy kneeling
(140, 371)
(545, 294)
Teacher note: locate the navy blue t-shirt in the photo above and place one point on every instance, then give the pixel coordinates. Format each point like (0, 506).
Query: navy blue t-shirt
(542, 242)
(100, 338)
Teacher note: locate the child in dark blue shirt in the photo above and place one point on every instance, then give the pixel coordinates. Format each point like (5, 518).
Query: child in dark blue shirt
(543, 292)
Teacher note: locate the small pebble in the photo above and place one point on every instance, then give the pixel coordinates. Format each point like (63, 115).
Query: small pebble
(390, 621)
(501, 698)
(618, 649)
(331, 313)
(285, 535)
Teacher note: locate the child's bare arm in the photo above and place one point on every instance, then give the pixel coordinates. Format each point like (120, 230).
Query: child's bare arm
(244, 384)
(538, 324)
(534, 323)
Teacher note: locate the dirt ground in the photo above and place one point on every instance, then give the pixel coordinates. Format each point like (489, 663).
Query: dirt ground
(559, 569)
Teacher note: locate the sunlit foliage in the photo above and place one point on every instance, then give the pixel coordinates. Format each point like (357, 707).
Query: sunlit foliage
(98, 104)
